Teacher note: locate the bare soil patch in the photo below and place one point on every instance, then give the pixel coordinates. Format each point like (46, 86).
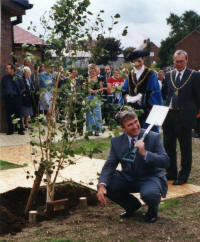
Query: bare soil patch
(12, 204)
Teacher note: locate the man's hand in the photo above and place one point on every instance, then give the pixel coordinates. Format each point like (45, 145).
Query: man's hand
(141, 148)
(101, 194)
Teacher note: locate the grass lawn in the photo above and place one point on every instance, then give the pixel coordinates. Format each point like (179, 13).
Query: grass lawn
(100, 145)
(4, 165)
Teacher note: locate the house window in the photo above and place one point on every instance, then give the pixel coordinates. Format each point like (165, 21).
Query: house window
(152, 54)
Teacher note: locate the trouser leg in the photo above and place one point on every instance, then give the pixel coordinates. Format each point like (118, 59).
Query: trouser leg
(9, 114)
(185, 140)
(170, 140)
(150, 193)
(118, 190)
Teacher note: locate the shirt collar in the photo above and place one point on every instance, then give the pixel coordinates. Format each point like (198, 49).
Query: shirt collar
(130, 139)
(139, 72)
(182, 72)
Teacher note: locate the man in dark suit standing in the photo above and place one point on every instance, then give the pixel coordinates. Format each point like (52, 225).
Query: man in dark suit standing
(182, 88)
(12, 87)
(144, 174)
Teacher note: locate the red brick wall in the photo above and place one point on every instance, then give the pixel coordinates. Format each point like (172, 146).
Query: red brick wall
(191, 44)
(154, 49)
(19, 55)
(6, 49)
(6, 41)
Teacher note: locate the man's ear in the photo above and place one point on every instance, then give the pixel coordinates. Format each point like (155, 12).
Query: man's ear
(122, 127)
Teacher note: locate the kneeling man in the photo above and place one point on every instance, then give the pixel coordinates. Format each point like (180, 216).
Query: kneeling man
(144, 175)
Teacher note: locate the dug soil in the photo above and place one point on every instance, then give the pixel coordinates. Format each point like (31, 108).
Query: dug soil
(12, 204)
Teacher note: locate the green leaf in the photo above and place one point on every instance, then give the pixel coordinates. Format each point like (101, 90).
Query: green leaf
(124, 32)
(117, 15)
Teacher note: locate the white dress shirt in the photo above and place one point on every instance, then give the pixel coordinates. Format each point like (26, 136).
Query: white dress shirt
(138, 73)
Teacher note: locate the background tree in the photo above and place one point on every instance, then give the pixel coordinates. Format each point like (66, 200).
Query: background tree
(127, 50)
(180, 27)
(106, 50)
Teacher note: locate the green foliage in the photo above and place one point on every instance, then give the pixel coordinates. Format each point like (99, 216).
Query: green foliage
(106, 50)
(180, 27)
(127, 50)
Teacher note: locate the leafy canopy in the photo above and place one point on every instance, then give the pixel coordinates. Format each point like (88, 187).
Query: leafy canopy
(105, 50)
(180, 27)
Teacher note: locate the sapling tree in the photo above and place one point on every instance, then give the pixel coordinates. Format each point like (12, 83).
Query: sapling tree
(66, 30)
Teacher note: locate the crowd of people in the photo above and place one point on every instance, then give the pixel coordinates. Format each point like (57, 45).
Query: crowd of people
(27, 91)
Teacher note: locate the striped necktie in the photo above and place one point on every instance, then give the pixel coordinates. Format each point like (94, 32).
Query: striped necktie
(178, 79)
(132, 143)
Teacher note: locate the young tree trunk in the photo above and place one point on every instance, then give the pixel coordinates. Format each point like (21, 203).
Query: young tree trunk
(35, 188)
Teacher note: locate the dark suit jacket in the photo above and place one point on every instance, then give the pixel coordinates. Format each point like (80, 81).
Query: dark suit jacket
(188, 98)
(156, 159)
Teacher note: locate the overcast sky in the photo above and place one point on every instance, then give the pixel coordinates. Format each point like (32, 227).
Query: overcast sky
(144, 18)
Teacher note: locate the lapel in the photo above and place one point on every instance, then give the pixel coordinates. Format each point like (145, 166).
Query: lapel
(141, 133)
(174, 75)
(185, 75)
(124, 146)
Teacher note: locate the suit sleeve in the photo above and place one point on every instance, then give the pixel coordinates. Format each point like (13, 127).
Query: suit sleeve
(125, 86)
(109, 167)
(157, 157)
(153, 86)
(124, 91)
(196, 89)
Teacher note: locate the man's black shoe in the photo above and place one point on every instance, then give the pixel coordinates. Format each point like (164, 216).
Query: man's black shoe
(9, 132)
(179, 182)
(126, 214)
(129, 214)
(151, 219)
(171, 177)
(195, 135)
(21, 132)
(151, 215)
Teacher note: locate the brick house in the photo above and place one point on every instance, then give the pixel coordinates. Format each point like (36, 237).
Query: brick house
(22, 36)
(154, 52)
(153, 49)
(191, 44)
(9, 8)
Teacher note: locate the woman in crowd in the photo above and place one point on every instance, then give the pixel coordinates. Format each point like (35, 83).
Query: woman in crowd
(93, 115)
(46, 94)
(113, 83)
(27, 108)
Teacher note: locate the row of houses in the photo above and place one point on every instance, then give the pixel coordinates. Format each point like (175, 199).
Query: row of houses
(189, 43)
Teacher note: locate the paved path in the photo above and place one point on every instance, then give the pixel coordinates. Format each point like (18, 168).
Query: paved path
(17, 149)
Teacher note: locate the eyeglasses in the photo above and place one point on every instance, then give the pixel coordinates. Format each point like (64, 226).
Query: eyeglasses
(179, 61)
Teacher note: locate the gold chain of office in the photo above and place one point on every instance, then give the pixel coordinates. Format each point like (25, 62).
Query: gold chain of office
(178, 88)
(137, 83)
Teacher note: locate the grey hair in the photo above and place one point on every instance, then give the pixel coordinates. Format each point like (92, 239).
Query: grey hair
(125, 115)
(26, 69)
(179, 52)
